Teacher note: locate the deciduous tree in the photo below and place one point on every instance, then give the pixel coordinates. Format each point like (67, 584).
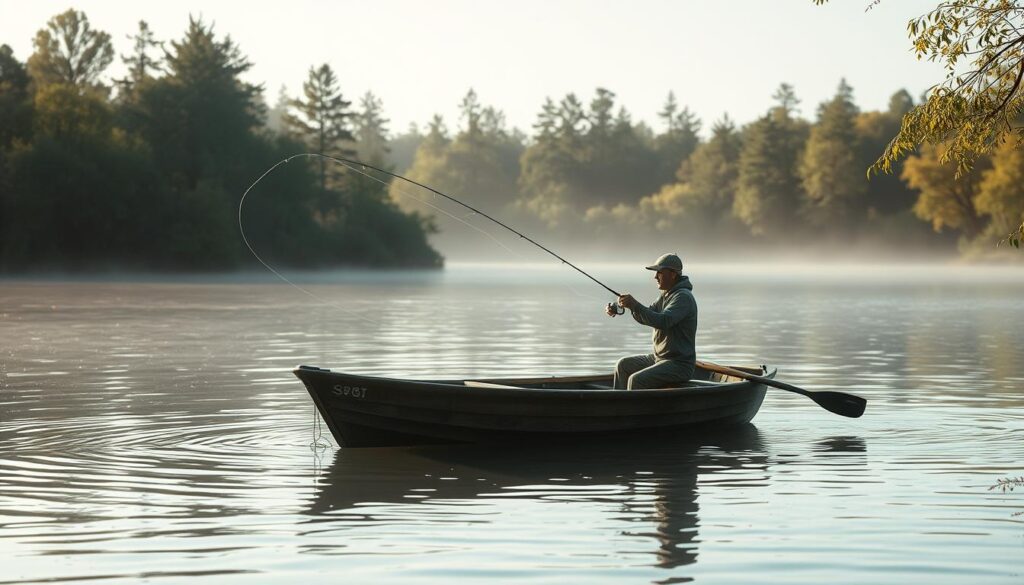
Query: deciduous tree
(944, 200)
(70, 51)
(979, 104)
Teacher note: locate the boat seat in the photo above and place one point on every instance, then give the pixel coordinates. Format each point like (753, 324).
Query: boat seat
(475, 384)
(698, 383)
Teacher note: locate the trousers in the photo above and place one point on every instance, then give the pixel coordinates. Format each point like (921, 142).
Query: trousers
(636, 372)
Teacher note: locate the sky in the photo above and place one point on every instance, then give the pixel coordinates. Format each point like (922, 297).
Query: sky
(421, 57)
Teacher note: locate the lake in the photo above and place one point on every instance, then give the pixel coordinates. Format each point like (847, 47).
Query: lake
(151, 430)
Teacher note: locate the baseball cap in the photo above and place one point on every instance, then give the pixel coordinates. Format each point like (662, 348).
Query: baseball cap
(667, 261)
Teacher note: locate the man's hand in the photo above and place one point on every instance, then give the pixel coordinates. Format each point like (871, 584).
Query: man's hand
(627, 301)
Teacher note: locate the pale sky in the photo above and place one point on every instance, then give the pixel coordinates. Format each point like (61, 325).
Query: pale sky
(420, 57)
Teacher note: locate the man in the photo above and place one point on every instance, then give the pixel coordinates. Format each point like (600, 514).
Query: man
(674, 320)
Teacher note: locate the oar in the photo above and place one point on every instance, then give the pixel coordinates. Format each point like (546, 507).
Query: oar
(838, 402)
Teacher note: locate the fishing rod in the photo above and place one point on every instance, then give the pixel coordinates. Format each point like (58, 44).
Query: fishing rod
(346, 162)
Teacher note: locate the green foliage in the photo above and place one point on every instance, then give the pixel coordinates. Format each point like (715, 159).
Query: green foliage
(832, 180)
(713, 170)
(321, 123)
(479, 165)
(402, 148)
(981, 46)
(152, 180)
(198, 118)
(886, 193)
(945, 201)
(141, 66)
(1001, 191)
(585, 159)
(680, 139)
(65, 114)
(979, 104)
(371, 130)
(15, 101)
(92, 198)
(69, 51)
(768, 188)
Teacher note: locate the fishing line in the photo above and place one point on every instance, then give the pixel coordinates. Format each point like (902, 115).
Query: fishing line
(353, 166)
(344, 161)
(241, 229)
(318, 444)
(423, 201)
(472, 212)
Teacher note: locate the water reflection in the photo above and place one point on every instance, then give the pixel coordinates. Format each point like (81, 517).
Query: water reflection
(841, 445)
(149, 427)
(651, 486)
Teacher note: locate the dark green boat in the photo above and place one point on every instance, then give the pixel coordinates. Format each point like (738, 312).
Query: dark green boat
(365, 411)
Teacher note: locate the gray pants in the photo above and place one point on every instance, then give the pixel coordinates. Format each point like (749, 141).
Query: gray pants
(642, 371)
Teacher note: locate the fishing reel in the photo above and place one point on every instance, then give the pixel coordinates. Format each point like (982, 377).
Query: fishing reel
(615, 309)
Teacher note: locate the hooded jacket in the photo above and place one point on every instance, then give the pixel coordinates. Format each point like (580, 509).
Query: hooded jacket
(674, 319)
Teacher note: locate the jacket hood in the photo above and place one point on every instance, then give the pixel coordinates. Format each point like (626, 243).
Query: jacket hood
(684, 282)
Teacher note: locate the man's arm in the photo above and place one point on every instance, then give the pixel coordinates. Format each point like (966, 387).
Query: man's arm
(676, 309)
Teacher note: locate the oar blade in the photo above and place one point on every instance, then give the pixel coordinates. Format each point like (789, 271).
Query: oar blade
(840, 403)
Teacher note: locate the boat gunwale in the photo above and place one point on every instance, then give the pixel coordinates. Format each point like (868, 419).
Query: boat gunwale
(458, 386)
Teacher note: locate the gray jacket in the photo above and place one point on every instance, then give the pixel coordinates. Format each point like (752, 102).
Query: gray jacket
(674, 319)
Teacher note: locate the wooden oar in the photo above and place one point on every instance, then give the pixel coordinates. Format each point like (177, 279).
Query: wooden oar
(837, 402)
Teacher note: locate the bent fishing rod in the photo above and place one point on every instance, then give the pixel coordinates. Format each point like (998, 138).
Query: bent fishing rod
(346, 162)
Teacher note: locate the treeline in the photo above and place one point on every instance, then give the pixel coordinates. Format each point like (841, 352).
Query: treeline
(779, 183)
(147, 172)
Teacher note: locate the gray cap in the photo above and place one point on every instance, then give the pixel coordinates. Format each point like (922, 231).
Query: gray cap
(667, 261)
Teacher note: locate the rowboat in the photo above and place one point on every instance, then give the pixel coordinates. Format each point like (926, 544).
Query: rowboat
(368, 411)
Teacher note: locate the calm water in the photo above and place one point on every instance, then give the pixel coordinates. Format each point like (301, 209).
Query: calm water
(153, 431)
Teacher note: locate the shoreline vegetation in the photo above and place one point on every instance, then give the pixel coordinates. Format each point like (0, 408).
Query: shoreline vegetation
(144, 174)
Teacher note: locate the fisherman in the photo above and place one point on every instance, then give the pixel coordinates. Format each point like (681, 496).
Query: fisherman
(674, 320)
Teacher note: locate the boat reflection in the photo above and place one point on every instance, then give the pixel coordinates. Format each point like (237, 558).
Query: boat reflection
(651, 482)
(845, 444)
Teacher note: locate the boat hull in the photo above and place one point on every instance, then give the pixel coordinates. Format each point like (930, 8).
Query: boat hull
(364, 411)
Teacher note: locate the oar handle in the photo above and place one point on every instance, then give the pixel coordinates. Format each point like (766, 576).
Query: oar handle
(838, 402)
(745, 375)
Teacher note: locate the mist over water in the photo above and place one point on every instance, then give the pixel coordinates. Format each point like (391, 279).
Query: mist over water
(151, 429)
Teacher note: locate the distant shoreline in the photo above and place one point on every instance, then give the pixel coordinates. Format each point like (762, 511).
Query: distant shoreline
(525, 273)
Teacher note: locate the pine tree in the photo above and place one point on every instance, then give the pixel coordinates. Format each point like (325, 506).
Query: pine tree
(371, 130)
(769, 193)
(601, 118)
(141, 65)
(680, 139)
(15, 109)
(712, 171)
(371, 137)
(470, 113)
(785, 95)
(321, 120)
(833, 180)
